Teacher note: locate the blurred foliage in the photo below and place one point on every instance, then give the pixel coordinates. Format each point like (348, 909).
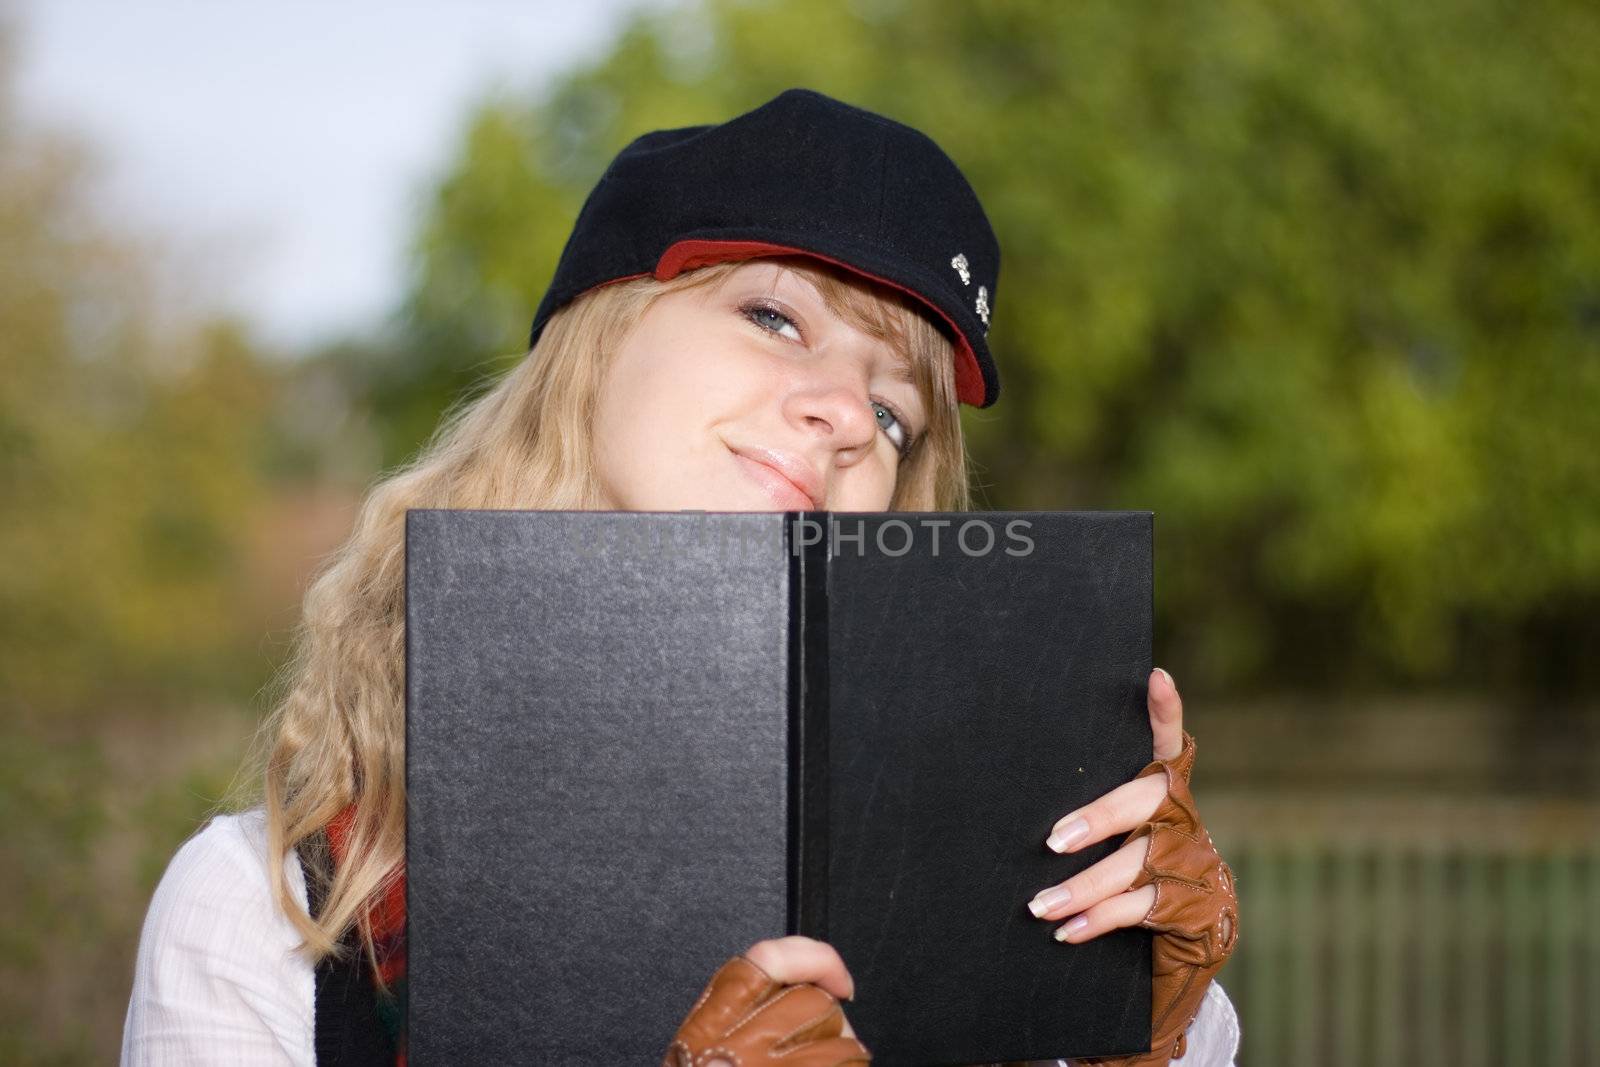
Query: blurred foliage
(129, 458)
(145, 451)
(144, 457)
(1317, 283)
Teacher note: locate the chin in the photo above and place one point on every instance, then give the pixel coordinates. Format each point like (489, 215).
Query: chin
(725, 498)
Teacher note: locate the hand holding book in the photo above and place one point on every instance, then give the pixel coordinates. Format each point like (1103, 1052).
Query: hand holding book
(775, 1004)
(1167, 876)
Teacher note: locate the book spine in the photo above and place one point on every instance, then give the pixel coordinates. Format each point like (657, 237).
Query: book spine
(808, 726)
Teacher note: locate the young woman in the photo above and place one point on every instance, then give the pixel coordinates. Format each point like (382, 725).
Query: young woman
(780, 312)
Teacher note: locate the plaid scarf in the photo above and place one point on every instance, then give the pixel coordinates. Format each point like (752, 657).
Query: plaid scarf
(387, 916)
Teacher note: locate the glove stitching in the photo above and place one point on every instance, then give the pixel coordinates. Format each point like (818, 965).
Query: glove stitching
(1160, 1021)
(736, 963)
(1205, 938)
(808, 1046)
(808, 1023)
(719, 1050)
(1209, 937)
(1150, 826)
(764, 1005)
(1185, 931)
(1172, 872)
(1150, 875)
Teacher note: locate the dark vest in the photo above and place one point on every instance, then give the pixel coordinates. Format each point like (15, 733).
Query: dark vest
(348, 1030)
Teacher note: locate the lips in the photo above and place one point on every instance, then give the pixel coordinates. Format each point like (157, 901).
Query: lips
(790, 481)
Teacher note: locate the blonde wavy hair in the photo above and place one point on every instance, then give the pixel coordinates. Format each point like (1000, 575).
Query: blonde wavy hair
(336, 735)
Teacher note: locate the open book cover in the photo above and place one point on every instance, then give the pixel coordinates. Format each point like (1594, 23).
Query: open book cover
(639, 742)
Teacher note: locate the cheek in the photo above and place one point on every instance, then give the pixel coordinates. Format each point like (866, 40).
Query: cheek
(656, 423)
(868, 487)
(639, 422)
(674, 379)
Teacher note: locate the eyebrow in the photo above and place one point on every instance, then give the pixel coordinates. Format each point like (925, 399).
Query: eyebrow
(900, 368)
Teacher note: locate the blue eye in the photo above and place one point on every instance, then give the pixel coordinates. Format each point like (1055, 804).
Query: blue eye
(764, 315)
(891, 423)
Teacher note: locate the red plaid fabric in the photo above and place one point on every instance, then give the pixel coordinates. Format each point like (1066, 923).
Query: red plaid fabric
(387, 916)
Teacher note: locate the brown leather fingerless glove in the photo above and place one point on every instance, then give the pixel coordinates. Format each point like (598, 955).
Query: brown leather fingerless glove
(745, 1018)
(1195, 915)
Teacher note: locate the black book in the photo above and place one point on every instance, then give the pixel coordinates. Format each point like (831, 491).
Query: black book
(638, 742)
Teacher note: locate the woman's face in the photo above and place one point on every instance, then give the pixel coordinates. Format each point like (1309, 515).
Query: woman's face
(751, 395)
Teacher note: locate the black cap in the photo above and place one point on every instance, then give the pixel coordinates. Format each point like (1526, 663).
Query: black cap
(801, 174)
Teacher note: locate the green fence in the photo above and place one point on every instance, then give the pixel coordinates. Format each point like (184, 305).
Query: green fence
(1460, 934)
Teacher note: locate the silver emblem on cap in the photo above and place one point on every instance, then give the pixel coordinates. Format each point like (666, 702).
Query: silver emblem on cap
(960, 264)
(983, 307)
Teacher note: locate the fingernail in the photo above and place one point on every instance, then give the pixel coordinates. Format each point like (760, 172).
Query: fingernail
(1062, 838)
(1162, 671)
(1071, 928)
(1053, 897)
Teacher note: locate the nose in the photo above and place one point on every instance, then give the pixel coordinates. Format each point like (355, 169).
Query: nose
(831, 402)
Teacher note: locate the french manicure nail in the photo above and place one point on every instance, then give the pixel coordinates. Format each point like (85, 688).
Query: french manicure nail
(1053, 897)
(1071, 928)
(1069, 833)
(1163, 672)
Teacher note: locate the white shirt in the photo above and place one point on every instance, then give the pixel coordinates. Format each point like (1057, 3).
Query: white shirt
(219, 979)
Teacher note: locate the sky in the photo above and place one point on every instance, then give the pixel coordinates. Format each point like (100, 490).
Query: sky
(281, 149)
